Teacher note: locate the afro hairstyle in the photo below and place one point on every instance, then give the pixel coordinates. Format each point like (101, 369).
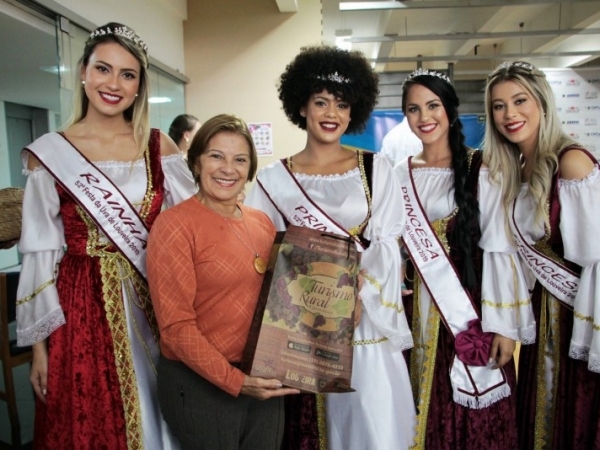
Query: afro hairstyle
(345, 74)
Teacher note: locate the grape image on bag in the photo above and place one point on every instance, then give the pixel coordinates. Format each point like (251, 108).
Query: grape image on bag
(303, 327)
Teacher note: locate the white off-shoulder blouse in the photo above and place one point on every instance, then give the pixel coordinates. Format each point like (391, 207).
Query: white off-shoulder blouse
(580, 231)
(505, 301)
(42, 238)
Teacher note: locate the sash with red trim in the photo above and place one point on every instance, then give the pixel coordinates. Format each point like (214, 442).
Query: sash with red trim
(296, 206)
(97, 195)
(474, 384)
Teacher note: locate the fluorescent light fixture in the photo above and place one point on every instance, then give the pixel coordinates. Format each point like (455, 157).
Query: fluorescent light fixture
(159, 100)
(53, 69)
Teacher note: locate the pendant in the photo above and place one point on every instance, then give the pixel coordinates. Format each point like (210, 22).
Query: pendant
(260, 265)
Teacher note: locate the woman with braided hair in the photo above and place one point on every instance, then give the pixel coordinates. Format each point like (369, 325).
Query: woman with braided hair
(465, 310)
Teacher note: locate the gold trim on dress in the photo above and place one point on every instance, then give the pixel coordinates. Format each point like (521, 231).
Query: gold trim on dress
(369, 341)
(321, 421)
(549, 346)
(118, 275)
(585, 318)
(423, 355)
(398, 307)
(422, 367)
(505, 304)
(36, 292)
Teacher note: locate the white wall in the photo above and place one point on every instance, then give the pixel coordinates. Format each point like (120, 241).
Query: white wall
(158, 22)
(236, 51)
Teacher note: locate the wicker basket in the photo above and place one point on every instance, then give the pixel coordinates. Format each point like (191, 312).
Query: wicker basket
(11, 208)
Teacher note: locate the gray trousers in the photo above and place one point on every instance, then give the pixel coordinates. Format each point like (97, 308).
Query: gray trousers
(204, 417)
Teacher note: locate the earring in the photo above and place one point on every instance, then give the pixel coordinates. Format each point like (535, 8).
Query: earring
(303, 114)
(136, 95)
(83, 82)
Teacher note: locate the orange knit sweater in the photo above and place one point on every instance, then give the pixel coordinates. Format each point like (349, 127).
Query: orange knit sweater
(204, 287)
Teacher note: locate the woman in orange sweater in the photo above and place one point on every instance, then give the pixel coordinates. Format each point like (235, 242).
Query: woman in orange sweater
(206, 260)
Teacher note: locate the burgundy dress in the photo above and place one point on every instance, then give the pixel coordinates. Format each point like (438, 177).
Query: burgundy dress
(92, 399)
(571, 420)
(447, 424)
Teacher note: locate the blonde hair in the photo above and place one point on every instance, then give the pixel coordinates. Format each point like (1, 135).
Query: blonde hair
(503, 158)
(138, 114)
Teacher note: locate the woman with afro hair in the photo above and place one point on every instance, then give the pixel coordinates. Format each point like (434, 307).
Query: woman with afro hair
(329, 92)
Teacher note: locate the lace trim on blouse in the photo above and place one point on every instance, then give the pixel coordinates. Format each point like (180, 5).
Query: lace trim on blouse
(440, 170)
(590, 179)
(594, 364)
(336, 176)
(42, 329)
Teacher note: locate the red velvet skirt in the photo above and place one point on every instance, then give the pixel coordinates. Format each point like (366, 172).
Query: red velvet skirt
(84, 409)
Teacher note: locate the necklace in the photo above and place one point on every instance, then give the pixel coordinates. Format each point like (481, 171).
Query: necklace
(260, 265)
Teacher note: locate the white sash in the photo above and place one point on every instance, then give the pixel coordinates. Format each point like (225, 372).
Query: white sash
(297, 207)
(473, 387)
(561, 282)
(96, 194)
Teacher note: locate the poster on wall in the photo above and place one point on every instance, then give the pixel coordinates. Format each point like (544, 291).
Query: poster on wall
(577, 96)
(262, 135)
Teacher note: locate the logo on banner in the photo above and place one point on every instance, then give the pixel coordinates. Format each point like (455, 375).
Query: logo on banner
(591, 94)
(590, 121)
(571, 122)
(571, 95)
(555, 82)
(593, 134)
(594, 80)
(593, 108)
(573, 82)
(574, 135)
(572, 109)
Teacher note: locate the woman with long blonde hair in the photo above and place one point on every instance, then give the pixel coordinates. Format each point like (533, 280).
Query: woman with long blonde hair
(550, 191)
(93, 192)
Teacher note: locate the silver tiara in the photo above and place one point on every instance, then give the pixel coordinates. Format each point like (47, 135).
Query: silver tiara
(431, 73)
(124, 32)
(523, 65)
(335, 77)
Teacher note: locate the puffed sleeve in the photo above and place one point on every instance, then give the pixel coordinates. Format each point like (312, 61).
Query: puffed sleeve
(42, 244)
(381, 262)
(258, 199)
(179, 183)
(505, 300)
(580, 227)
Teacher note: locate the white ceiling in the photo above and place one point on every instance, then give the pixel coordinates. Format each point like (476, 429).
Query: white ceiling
(28, 44)
(475, 35)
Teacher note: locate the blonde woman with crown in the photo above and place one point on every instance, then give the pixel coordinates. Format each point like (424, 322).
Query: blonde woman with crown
(551, 194)
(93, 192)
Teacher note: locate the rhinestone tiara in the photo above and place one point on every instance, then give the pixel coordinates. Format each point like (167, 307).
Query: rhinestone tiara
(523, 65)
(124, 32)
(431, 73)
(335, 77)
